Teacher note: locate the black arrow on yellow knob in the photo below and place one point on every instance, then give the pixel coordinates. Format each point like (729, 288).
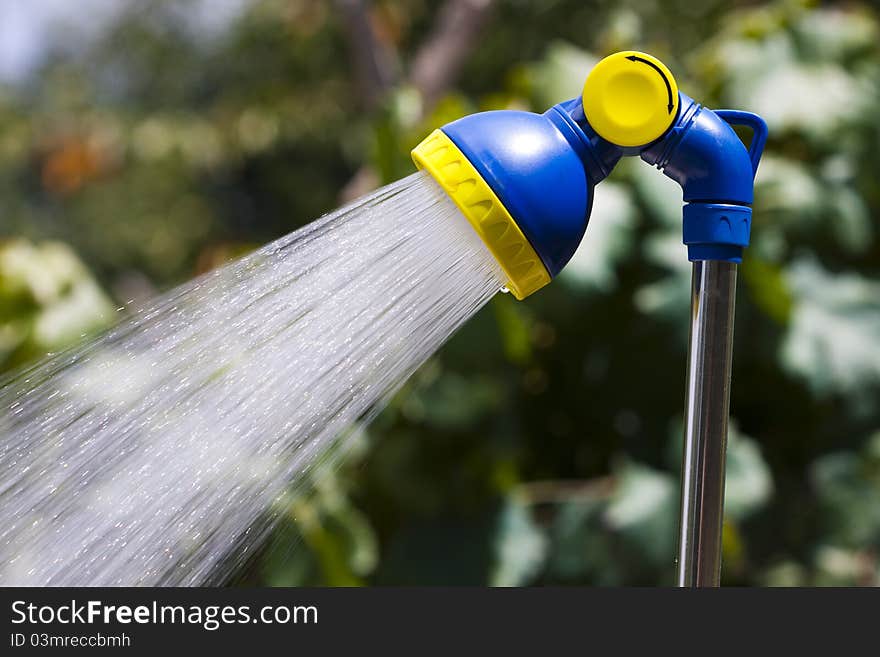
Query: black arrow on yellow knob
(669, 105)
(623, 98)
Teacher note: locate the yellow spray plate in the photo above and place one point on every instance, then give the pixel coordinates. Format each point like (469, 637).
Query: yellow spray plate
(440, 157)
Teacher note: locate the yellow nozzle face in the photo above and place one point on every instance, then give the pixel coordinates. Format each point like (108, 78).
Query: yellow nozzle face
(440, 157)
(630, 98)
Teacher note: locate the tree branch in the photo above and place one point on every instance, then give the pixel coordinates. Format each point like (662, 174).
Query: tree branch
(435, 68)
(439, 60)
(371, 59)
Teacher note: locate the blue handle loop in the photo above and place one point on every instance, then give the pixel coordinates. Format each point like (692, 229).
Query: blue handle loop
(758, 127)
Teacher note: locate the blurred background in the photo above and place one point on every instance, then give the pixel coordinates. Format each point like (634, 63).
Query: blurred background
(142, 143)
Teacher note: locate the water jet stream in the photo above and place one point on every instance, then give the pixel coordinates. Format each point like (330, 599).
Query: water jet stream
(154, 455)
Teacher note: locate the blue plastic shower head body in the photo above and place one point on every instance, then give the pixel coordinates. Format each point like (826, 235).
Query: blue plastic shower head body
(543, 168)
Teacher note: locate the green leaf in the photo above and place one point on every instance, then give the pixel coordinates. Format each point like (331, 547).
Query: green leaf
(768, 287)
(608, 240)
(560, 75)
(644, 509)
(749, 482)
(848, 486)
(453, 401)
(833, 339)
(786, 191)
(520, 546)
(48, 300)
(514, 325)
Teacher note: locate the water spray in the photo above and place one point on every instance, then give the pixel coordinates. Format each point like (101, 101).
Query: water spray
(525, 183)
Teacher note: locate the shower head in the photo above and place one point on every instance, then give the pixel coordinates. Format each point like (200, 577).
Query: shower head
(525, 181)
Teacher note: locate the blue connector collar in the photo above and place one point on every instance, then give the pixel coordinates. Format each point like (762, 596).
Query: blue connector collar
(716, 231)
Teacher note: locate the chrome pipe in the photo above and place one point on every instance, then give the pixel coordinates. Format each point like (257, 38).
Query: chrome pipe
(707, 403)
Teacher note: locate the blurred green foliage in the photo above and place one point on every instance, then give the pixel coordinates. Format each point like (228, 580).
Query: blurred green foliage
(542, 444)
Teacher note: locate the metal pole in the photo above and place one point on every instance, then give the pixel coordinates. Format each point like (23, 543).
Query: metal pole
(705, 434)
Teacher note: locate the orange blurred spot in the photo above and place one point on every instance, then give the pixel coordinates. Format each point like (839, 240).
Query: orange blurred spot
(70, 164)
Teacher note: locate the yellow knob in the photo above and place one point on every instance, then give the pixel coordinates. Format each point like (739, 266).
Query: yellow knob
(630, 98)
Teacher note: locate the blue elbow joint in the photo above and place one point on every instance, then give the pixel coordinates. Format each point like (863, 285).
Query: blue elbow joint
(704, 155)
